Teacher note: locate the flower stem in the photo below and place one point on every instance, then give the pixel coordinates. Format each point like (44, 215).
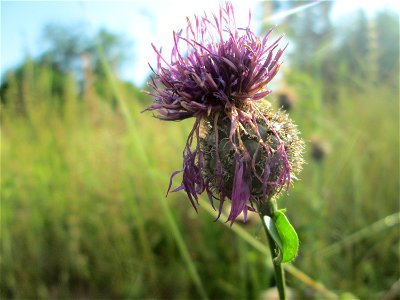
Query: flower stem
(278, 268)
(268, 210)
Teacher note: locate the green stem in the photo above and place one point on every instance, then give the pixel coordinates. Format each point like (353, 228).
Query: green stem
(279, 271)
(268, 210)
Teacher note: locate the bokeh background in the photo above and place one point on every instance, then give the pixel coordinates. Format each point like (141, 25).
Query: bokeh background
(84, 172)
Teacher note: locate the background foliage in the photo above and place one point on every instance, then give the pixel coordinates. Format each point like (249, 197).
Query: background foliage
(84, 175)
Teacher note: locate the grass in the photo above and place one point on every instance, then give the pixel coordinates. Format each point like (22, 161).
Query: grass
(84, 215)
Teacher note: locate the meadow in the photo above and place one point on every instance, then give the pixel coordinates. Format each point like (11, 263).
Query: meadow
(84, 212)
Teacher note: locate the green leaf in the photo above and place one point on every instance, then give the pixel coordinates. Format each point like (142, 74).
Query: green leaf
(284, 236)
(270, 224)
(288, 236)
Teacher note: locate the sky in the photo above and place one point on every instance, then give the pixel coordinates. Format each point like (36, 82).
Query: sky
(142, 22)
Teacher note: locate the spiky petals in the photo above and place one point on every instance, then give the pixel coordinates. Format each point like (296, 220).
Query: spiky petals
(213, 68)
(241, 191)
(250, 156)
(217, 74)
(192, 179)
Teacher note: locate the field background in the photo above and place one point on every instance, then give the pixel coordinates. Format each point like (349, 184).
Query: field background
(84, 175)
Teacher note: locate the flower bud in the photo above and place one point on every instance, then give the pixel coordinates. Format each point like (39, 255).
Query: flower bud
(267, 155)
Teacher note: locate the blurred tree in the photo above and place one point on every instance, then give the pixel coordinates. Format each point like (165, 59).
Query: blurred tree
(356, 51)
(309, 30)
(115, 50)
(70, 50)
(387, 39)
(367, 48)
(65, 45)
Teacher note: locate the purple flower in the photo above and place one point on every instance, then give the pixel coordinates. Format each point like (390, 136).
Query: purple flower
(220, 68)
(218, 74)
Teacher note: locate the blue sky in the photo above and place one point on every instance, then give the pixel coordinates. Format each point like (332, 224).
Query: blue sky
(144, 22)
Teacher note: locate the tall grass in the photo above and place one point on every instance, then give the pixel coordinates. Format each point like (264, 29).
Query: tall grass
(352, 196)
(82, 216)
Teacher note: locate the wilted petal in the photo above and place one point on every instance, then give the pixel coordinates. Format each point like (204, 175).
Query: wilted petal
(241, 189)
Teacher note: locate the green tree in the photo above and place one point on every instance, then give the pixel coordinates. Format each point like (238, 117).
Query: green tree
(69, 50)
(356, 50)
(72, 48)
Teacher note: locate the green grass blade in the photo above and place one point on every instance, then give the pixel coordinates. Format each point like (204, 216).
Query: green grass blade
(160, 196)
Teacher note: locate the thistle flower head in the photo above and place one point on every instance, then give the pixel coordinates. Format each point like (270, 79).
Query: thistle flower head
(238, 149)
(214, 67)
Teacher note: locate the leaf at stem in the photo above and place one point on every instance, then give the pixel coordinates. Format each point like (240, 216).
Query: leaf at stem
(284, 235)
(289, 238)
